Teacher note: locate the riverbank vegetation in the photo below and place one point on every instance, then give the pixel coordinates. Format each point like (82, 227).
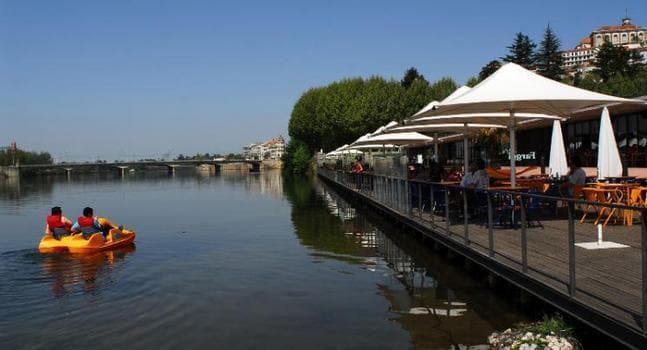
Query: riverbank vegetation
(329, 116)
(549, 333)
(22, 157)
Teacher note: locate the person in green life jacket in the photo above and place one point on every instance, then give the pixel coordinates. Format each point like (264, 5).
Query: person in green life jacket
(88, 224)
(57, 224)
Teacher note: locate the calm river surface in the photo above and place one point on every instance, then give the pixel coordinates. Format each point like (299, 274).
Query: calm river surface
(229, 261)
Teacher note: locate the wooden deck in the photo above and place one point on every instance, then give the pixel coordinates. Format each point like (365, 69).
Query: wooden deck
(608, 281)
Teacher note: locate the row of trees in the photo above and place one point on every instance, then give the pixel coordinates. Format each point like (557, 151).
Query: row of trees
(8, 156)
(547, 59)
(328, 116)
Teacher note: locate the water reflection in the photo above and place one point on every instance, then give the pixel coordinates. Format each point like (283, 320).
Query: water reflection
(87, 271)
(438, 304)
(14, 190)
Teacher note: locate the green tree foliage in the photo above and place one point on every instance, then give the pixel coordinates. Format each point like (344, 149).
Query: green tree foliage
(297, 157)
(441, 89)
(488, 69)
(471, 82)
(549, 58)
(618, 84)
(24, 157)
(521, 51)
(612, 61)
(410, 76)
(330, 116)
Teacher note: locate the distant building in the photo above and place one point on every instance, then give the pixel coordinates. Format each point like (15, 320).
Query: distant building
(627, 35)
(272, 149)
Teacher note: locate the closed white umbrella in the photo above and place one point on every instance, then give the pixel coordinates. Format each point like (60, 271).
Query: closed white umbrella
(557, 165)
(609, 163)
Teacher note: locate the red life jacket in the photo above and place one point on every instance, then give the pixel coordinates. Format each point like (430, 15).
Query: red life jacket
(85, 221)
(54, 222)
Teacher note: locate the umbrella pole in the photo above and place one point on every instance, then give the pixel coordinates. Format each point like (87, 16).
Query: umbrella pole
(513, 150)
(466, 156)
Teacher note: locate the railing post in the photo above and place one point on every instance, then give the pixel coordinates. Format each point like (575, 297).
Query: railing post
(524, 236)
(571, 249)
(391, 192)
(490, 223)
(420, 199)
(432, 205)
(447, 209)
(643, 248)
(407, 191)
(403, 195)
(466, 231)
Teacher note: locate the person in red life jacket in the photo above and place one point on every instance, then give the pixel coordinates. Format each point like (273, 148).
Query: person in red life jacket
(88, 224)
(57, 224)
(358, 168)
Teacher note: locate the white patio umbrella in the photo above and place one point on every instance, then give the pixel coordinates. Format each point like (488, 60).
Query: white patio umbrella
(403, 138)
(431, 106)
(383, 128)
(465, 129)
(609, 163)
(514, 89)
(557, 165)
(372, 146)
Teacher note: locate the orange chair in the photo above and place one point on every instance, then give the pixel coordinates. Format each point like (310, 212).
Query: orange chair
(591, 195)
(636, 199)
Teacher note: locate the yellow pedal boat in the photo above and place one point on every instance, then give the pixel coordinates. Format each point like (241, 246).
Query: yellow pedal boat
(78, 244)
(49, 244)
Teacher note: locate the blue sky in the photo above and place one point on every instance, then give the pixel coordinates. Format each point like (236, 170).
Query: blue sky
(131, 79)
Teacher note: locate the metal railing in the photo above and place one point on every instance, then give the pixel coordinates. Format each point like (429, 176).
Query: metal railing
(536, 234)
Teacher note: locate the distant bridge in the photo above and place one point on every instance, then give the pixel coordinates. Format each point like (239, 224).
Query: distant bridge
(123, 167)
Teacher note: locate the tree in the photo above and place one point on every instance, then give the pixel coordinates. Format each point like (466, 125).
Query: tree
(521, 51)
(442, 88)
(410, 76)
(296, 157)
(612, 60)
(23, 157)
(617, 85)
(488, 69)
(471, 82)
(329, 116)
(549, 58)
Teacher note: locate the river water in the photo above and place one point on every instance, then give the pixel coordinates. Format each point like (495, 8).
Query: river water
(230, 261)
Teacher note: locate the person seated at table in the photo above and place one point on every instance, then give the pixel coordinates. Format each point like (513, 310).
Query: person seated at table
(576, 178)
(476, 177)
(454, 174)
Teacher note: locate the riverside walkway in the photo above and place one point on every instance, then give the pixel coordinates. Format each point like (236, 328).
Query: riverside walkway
(532, 241)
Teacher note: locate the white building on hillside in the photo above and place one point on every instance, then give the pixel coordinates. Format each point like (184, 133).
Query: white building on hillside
(627, 35)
